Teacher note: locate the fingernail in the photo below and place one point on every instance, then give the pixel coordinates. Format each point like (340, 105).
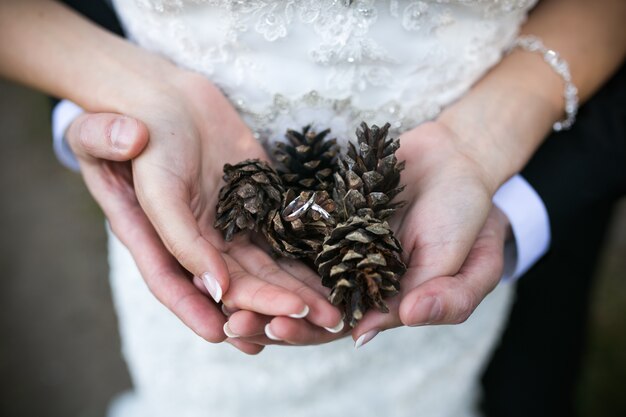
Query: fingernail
(365, 338)
(226, 311)
(229, 332)
(270, 335)
(337, 328)
(301, 314)
(427, 310)
(212, 286)
(122, 133)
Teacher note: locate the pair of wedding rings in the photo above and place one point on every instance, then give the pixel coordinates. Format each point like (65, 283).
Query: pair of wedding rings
(291, 213)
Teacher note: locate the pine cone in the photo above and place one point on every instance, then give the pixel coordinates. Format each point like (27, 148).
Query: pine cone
(368, 179)
(252, 190)
(360, 262)
(301, 237)
(309, 160)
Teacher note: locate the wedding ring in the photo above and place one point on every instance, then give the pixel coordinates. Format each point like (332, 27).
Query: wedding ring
(289, 214)
(321, 211)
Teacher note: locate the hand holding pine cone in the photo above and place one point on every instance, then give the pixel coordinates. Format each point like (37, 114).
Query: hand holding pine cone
(326, 208)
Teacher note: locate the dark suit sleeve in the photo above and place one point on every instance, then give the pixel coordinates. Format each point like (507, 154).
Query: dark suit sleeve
(98, 11)
(579, 174)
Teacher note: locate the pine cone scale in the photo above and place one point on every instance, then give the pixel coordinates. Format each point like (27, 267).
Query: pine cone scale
(251, 191)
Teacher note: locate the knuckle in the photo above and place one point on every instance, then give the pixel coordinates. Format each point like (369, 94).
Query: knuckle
(184, 250)
(80, 135)
(466, 304)
(180, 251)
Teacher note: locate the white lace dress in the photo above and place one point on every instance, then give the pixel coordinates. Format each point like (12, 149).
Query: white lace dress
(288, 63)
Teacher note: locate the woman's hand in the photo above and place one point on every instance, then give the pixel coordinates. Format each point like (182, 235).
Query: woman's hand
(262, 329)
(452, 236)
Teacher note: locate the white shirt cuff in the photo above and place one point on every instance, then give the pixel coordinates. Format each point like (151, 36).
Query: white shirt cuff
(530, 223)
(63, 115)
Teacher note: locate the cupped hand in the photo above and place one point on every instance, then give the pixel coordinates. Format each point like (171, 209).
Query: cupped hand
(104, 144)
(194, 131)
(452, 236)
(264, 330)
(177, 178)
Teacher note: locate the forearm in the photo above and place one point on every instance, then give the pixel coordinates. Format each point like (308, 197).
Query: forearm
(505, 117)
(48, 47)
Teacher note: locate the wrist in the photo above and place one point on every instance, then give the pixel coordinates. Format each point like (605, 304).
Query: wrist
(502, 120)
(125, 87)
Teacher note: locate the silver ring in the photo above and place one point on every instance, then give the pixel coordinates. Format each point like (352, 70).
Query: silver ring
(289, 215)
(321, 211)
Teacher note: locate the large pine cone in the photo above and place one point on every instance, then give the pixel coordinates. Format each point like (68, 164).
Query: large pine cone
(300, 237)
(252, 190)
(360, 262)
(308, 161)
(368, 178)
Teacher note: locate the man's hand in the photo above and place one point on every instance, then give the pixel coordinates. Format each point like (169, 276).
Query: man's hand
(257, 283)
(194, 131)
(104, 144)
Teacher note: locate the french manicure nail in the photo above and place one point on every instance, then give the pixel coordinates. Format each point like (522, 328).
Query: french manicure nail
(212, 286)
(428, 311)
(337, 328)
(301, 314)
(229, 332)
(225, 311)
(364, 338)
(270, 335)
(121, 133)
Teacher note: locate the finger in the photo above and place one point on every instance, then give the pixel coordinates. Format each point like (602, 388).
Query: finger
(452, 299)
(107, 136)
(299, 332)
(323, 313)
(375, 322)
(171, 215)
(197, 282)
(307, 285)
(244, 323)
(443, 300)
(167, 281)
(246, 347)
(247, 292)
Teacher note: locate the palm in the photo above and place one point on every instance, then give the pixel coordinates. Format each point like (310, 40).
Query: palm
(177, 179)
(447, 207)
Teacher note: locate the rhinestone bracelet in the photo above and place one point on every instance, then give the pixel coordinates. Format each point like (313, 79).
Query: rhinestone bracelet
(559, 65)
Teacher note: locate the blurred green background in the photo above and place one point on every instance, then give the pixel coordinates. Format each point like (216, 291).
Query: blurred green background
(59, 348)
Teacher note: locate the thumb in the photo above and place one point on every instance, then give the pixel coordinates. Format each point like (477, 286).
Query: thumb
(107, 136)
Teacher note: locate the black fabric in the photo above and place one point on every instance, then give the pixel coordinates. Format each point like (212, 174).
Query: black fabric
(579, 174)
(97, 11)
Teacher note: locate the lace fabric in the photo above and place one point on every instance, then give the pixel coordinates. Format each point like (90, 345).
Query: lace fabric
(398, 61)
